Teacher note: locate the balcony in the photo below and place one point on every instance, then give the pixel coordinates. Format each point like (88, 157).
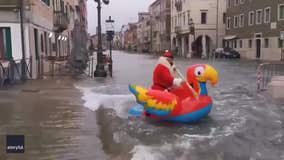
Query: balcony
(61, 21)
(178, 30)
(9, 4)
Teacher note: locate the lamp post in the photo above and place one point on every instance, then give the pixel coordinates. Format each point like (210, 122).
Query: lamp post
(100, 67)
(23, 60)
(110, 34)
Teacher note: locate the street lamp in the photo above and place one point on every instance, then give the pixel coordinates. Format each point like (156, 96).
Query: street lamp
(23, 60)
(100, 68)
(110, 34)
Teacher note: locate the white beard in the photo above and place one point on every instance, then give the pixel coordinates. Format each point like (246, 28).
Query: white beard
(163, 61)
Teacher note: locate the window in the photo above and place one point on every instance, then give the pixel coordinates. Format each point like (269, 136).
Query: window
(242, 20)
(224, 18)
(280, 43)
(241, 43)
(228, 3)
(236, 21)
(203, 17)
(172, 22)
(188, 17)
(281, 12)
(47, 2)
(41, 43)
(184, 19)
(45, 42)
(237, 2)
(250, 43)
(179, 19)
(267, 15)
(235, 43)
(259, 16)
(266, 43)
(5, 43)
(50, 46)
(228, 23)
(251, 18)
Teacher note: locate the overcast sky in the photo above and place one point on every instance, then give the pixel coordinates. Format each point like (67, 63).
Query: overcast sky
(122, 11)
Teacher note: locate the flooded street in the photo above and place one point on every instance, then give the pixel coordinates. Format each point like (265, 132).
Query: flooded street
(51, 116)
(60, 122)
(243, 124)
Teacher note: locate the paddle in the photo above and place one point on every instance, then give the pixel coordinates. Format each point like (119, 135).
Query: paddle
(189, 86)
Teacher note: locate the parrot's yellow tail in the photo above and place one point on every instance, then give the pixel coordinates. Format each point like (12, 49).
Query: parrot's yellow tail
(140, 93)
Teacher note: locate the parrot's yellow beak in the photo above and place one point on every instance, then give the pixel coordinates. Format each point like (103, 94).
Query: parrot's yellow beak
(210, 74)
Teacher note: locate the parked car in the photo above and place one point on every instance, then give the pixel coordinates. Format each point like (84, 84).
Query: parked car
(226, 53)
(218, 51)
(145, 50)
(103, 49)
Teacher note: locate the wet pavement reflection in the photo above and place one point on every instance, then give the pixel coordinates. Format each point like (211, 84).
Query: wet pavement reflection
(50, 114)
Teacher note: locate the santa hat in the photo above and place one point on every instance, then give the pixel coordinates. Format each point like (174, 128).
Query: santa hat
(168, 54)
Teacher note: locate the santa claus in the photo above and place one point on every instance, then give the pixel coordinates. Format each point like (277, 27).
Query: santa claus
(163, 76)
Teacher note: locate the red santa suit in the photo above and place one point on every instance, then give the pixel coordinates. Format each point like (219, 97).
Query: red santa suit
(163, 76)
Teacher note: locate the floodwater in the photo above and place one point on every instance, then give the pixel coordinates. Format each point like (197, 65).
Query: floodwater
(243, 125)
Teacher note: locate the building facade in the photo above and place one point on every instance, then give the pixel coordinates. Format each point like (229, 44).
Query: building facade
(116, 43)
(254, 27)
(143, 32)
(45, 27)
(122, 34)
(130, 37)
(160, 25)
(197, 27)
(94, 41)
(80, 36)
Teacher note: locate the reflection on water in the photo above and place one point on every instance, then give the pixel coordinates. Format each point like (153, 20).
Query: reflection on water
(53, 121)
(243, 124)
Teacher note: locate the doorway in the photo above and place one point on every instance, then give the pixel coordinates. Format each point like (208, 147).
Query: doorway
(197, 46)
(282, 54)
(258, 48)
(281, 44)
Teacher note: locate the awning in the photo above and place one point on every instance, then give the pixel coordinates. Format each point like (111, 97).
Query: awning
(230, 37)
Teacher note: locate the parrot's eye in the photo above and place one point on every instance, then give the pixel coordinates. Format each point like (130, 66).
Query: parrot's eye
(199, 71)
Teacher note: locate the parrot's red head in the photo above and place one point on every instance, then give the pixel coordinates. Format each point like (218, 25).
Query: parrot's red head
(199, 74)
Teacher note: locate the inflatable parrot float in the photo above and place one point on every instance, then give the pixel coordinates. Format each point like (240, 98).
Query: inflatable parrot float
(179, 104)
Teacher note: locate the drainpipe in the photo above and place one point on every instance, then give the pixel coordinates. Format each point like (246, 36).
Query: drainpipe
(23, 61)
